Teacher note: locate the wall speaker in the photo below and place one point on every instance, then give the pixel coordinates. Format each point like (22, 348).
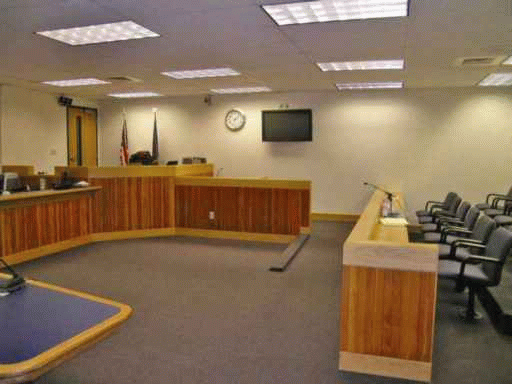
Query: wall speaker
(64, 101)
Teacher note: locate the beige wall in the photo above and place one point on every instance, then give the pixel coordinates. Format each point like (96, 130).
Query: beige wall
(423, 142)
(33, 128)
(176, 134)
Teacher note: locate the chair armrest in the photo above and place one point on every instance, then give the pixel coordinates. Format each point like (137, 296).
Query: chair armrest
(474, 258)
(431, 202)
(469, 243)
(488, 197)
(498, 198)
(451, 220)
(481, 258)
(464, 244)
(441, 213)
(456, 230)
(445, 231)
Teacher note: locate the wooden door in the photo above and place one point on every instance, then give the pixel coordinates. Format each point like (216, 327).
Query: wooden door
(82, 137)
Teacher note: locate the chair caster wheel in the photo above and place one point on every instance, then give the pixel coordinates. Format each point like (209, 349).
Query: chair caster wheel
(464, 315)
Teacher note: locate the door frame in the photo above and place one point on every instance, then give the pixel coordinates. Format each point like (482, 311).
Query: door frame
(67, 128)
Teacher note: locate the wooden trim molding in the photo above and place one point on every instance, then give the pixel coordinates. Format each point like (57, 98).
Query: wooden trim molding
(385, 366)
(151, 170)
(390, 255)
(243, 182)
(248, 236)
(305, 230)
(46, 250)
(30, 369)
(134, 234)
(337, 217)
(43, 196)
(21, 170)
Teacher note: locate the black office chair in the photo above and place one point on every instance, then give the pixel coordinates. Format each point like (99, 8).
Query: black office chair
(444, 212)
(489, 200)
(441, 220)
(430, 205)
(503, 220)
(501, 205)
(479, 234)
(460, 248)
(477, 276)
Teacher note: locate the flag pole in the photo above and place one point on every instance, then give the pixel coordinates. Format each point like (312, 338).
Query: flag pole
(155, 138)
(124, 141)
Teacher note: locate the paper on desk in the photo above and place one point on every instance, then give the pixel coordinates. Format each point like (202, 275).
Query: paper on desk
(393, 221)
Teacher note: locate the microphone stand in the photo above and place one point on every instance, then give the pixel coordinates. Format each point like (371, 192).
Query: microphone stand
(389, 196)
(15, 283)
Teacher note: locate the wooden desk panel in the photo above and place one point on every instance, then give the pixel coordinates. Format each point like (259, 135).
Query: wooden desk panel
(389, 313)
(37, 223)
(244, 209)
(388, 299)
(132, 203)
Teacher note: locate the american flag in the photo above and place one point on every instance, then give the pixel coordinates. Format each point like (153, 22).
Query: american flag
(155, 141)
(124, 144)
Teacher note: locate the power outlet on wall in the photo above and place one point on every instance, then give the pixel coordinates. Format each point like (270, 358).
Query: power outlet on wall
(211, 215)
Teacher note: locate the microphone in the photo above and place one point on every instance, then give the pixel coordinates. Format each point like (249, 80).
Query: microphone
(390, 194)
(15, 283)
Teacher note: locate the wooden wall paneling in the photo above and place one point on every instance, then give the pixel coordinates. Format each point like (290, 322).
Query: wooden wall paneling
(95, 219)
(305, 208)
(199, 207)
(279, 210)
(2, 233)
(146, 204)
(255, 212)
(294, 212)
(180, 206)
(171, 197)
(7, 234)
(156, 191)
(389, 313)
(243, 209)
(32, 226)
(133, 203)
(228, 212)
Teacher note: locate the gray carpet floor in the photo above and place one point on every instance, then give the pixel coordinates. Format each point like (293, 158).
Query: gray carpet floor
(209, 311)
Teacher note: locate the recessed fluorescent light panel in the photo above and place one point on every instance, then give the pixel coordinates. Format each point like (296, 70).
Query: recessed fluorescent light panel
(101, 33)
(199, 73)
(241, 90)
(335, 10)
(76, 82)
(134, 94)
(361, 65)
(497, 80)
(377, 85)
(508, 61)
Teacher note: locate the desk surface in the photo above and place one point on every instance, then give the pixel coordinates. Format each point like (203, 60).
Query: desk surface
(49, 193)
(43, 325)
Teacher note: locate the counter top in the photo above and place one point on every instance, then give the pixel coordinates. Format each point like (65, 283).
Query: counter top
(20, 196)
(138, 171)
(250, 182)
(371, 244)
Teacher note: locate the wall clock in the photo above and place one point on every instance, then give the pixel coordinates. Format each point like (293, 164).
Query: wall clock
(235, 119)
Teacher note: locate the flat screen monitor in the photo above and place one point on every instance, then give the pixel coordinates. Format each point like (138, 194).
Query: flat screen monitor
(287, 125)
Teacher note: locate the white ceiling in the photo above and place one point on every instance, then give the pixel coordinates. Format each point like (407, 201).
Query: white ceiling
(239, 34)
